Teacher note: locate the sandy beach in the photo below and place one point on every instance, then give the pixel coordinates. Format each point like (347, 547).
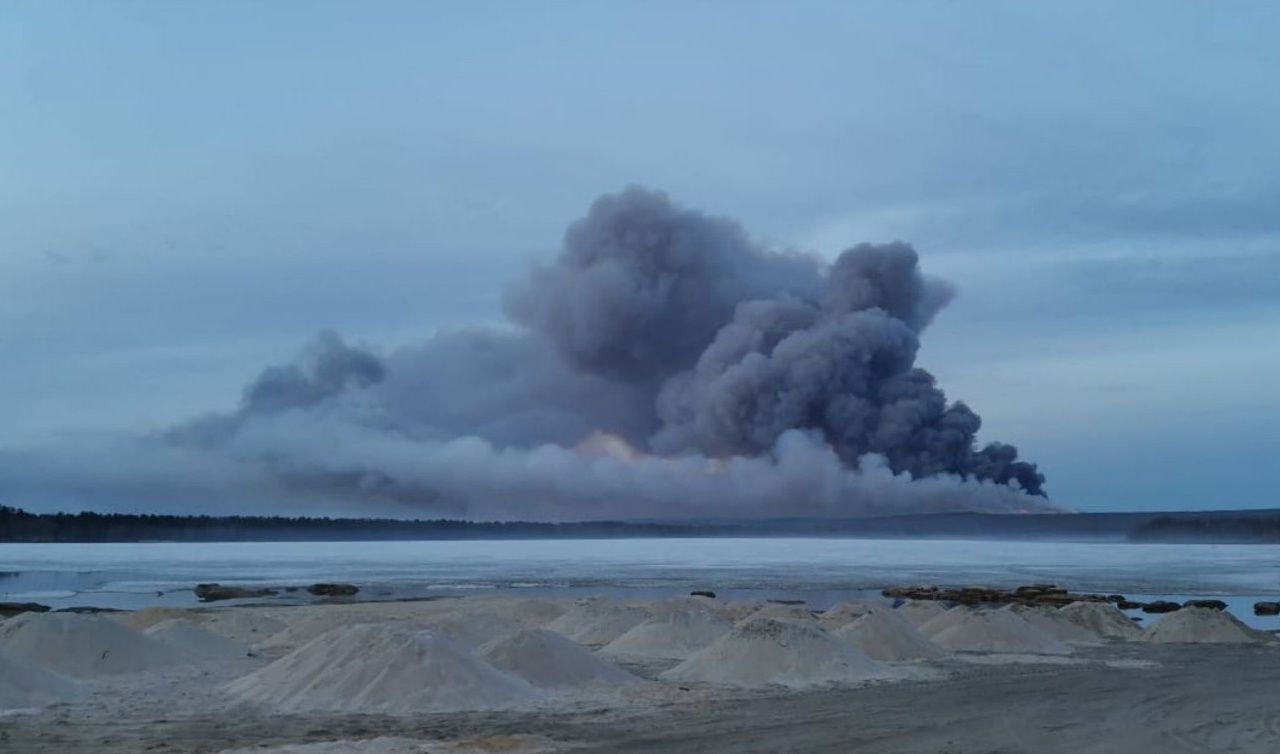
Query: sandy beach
(684, 674)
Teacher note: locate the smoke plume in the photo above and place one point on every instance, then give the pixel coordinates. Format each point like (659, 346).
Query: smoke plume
(662, 365)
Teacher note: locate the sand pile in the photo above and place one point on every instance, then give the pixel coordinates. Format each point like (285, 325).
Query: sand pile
(382, 668)
(1102, 618)
(767, 651)
(674, 634)
(844, 613)
(779, 611)
(1053, 622)
(921, 612)
(194, 641)
(596, 622)
(27, 686)
(82, 646)
(965, 630)
(884, 635)
(547, 659)
(1203, 625)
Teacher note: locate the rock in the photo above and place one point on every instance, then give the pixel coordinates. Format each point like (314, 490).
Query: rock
(1161, 606)
(1266, 608)
(214, 592)
(786, 602)
(1130, 605)
(703, 593)
(333, 590)
(10, 609)
(1211, 604)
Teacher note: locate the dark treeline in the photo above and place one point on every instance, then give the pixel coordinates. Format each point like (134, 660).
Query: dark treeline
(1257, 527)
(1234, 529)
(20, 526)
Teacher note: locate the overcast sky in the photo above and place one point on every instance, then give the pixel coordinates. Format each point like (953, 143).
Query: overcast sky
(189, 191)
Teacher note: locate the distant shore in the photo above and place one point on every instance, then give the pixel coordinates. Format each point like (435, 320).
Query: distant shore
(1225, 527)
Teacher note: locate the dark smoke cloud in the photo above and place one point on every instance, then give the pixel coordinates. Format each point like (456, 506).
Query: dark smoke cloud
(661, 365)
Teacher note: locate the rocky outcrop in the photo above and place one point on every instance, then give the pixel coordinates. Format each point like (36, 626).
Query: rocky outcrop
(214, 592)
(1211, 604)
(10, 609)
(1050, 595)
(333, 590)
(1161, 606)
(1266, 608)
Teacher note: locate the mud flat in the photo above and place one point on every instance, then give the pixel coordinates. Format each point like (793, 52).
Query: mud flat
(550, 675)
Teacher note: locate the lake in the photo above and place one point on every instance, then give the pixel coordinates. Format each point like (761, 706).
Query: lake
(821, 571)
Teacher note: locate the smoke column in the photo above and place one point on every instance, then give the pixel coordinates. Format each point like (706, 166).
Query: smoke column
(662, 365)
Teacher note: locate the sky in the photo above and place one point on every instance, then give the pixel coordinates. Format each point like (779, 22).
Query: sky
(190, 191)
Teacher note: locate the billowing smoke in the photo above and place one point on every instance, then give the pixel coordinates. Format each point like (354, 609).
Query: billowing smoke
(663, 365)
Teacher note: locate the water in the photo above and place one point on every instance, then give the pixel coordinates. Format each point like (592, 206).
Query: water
(821, 571)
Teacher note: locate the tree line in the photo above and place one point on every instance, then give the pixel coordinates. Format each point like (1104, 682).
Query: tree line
(17, 525)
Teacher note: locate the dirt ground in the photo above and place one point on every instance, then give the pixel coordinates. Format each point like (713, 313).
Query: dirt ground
(1121, 699)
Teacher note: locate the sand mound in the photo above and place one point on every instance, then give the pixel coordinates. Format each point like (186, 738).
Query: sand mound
(382, 668)
(26, 686)
(962, 629)
(884, 635)
(597, 622)
(673, 635)
(1053, 622)
(82, 646)
(767, 651)
(1102, 618)
(845, 613)
(195, 641)
(1202, 625)
(549, 660)
(921, 612)
(246, 625)
(779, 611)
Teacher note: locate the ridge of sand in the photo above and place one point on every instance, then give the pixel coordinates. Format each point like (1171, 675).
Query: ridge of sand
(1102, 618)
(884, 635)
(921, 612)
(141, 620)
(246, 625)
(847, 612)
(382, 668)
(195, 641)
(24, 685)
(83, 646)
(768, 651)
(965, 630)
(547, 659)
(1203, 625)
(598, 621)
(673, 635)
(489, 621)
(1052, 622)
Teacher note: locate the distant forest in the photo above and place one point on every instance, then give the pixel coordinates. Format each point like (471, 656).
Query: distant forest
(1235, 529)
(1246, 527)
(17, 525)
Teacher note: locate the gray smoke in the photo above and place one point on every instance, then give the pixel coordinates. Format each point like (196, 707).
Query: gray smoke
(662, 364)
